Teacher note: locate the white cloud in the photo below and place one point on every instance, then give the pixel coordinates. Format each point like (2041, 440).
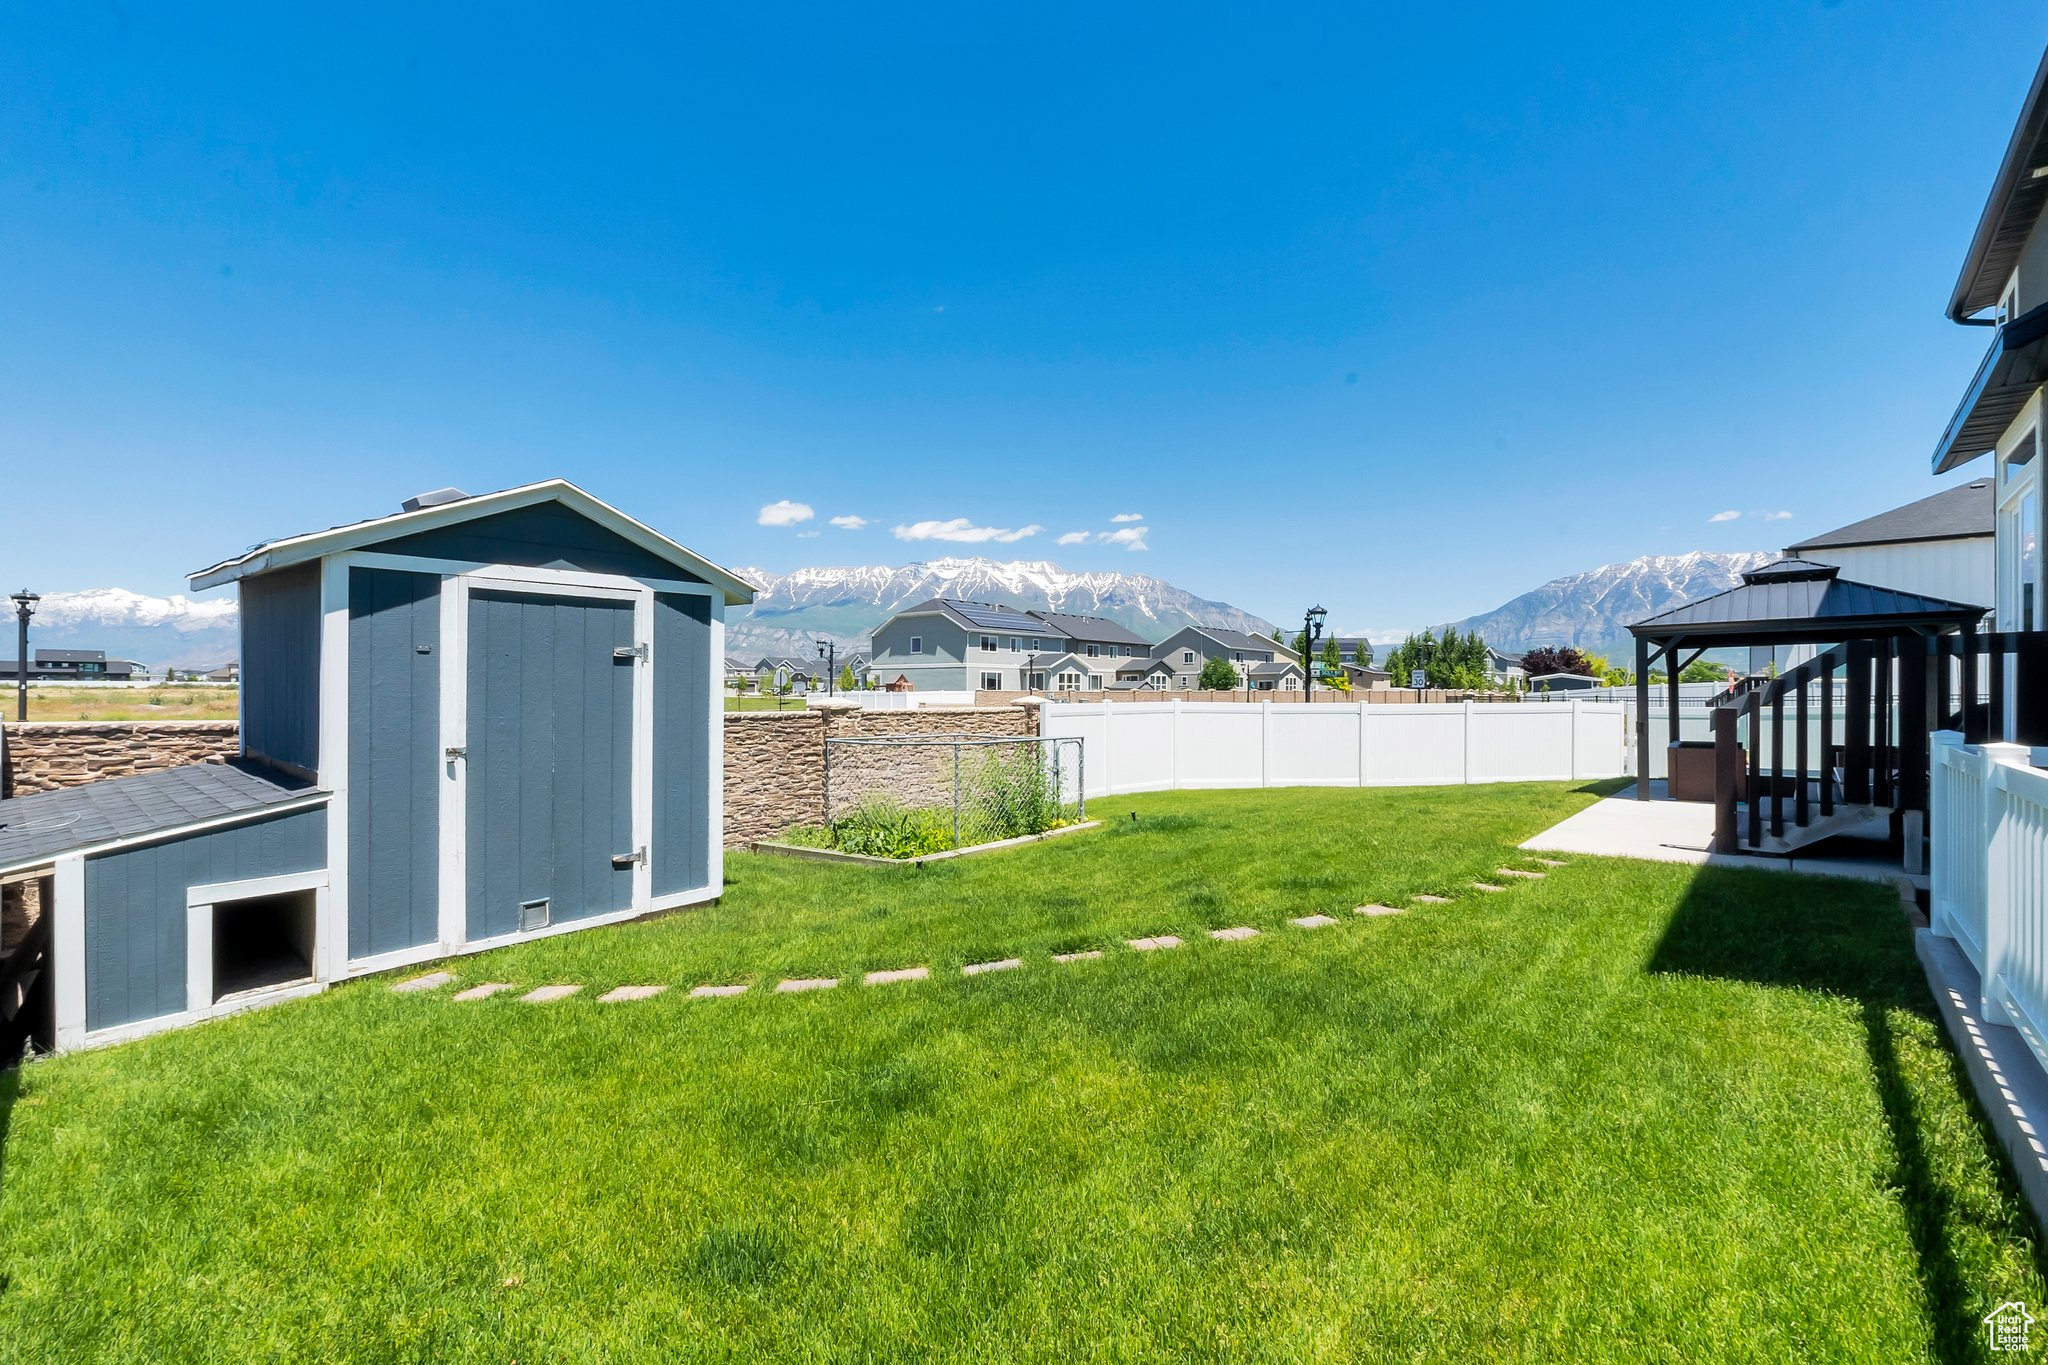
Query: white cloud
(1127, 516)
(962, 530)
(784, 513)
(1777, 516)
(850, 523)
(807, 535)
(1724, 516)
(1073, 538)
(1130, 537)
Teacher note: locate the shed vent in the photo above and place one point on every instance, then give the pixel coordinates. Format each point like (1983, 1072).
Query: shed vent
(436, 498)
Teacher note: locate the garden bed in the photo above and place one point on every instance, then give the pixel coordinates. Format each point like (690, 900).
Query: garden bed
(823, 854)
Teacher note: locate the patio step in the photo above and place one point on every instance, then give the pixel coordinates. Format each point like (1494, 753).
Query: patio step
(1845, 820)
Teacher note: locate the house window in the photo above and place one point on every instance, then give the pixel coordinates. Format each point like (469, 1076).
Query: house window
(1014, 642)
(1038, 682)
(1070, 681)
(1187, 656)
(917, 644)
(988, 642)
(2020, 605)
(991, 682)
(1092, 651)
(1095, 683)
(1037, 645)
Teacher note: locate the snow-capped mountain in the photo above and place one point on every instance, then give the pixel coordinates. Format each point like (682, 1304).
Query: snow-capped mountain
(174, 631)
(845, 604)
(1592, 610)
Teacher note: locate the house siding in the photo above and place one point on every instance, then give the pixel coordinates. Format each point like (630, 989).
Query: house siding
(135, 911)
(394, 773)
(681, 857)
(280, 693)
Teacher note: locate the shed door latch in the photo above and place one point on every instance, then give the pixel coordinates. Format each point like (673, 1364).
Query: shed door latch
(457, 751)
(630, 652)
(633, 859)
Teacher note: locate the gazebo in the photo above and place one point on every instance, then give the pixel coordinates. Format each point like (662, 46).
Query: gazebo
(1885, 643)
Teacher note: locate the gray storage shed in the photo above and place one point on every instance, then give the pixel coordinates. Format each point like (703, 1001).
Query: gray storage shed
(479, 720)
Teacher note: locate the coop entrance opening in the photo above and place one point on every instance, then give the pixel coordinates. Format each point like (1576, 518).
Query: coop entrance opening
(262, 942)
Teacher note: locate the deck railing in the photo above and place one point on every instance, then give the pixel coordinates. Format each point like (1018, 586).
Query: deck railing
(1989, 883)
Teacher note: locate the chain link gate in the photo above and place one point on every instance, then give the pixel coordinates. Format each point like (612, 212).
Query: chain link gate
(911, 795)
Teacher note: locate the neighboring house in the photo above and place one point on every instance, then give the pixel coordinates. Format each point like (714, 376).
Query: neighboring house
(74, 665)
(2004, 285)
(1187, 649)
(1941, 546)
(1365, 679)
(1278, 675)
(1502, 669)
(780, 670)
(1067, 672)
(948, 643)
(1148, 675)
(228, 672)
(858, 662)
(477, 721)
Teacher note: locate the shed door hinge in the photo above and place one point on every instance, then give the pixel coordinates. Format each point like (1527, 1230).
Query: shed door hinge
(630, 652)
(633, 859)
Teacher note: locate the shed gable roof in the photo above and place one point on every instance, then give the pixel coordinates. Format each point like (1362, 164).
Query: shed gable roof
(390, 531)
(1958, 513)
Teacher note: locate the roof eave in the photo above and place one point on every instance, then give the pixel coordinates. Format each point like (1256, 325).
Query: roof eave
(1968, 297)
(313, 545)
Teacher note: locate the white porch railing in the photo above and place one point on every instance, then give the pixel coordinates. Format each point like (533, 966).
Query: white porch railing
(1989, 884)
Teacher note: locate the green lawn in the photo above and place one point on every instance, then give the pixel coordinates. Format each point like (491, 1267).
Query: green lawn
(1624, 1113)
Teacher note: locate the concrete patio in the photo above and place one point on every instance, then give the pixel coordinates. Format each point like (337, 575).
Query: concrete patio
(1667, 831)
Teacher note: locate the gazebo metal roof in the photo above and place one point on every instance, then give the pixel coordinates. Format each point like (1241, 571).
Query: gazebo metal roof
(1797, 601)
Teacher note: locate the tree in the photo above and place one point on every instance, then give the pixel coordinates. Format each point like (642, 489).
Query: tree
(1332, 658)
(1699, 670)
(1218, 676)
(1455, 661)
(1300, 647)
(847, 682)
(1364, 653)
(1560, 659)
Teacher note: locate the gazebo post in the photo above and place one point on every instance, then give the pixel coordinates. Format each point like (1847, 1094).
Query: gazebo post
(1642, 719)
(1671, 667)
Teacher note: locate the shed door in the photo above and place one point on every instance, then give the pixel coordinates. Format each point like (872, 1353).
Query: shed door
(549, 780)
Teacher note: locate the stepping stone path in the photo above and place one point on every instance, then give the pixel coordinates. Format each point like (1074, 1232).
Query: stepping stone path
(900, 974)
(1312, 922)
(1008, 964)
(1086, 955)
(1550, 862)
(548, 994)
(619, 993)
(485, 990)
(430, 982)
(711, 992)
(1377, 910)
(1518, 872)
(1431, 900)
(1487, 886)
(1146, 945)
(1241, 932)
(807, 983)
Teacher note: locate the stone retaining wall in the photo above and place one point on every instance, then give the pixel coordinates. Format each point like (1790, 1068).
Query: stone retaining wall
(42, 755)
(775, 760)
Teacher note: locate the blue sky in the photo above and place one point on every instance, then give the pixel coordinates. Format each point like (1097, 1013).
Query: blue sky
(1402, 312)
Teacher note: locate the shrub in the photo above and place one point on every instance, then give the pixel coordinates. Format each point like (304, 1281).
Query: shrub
(1218, 675)
(881, 828)
(1012, 795)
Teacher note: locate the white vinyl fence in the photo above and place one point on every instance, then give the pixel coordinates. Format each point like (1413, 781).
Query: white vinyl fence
(1174, 745)
(1989, 885)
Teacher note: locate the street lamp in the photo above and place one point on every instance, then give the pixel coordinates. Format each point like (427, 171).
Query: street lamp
(1311, 631)
(830, 654)
(24, 607)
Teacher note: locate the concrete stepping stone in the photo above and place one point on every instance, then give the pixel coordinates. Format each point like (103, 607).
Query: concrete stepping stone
(1147, 945)
(715, 992)
(1487, 886)
(1312, 922)
(430, 982)
(621, 993)
(806, 983)
(1377, 909)
(1551, 862)
(1519, 872)
(1234, 935)
(890, 978)
(1431, 900)
(484, 990)
(1085, 955)
(1008, 964)
(548, 994)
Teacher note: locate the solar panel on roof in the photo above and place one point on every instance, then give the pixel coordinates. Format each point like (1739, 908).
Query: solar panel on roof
(991, 617)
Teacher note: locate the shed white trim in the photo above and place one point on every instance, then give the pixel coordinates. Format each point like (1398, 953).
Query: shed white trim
(278, 554)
